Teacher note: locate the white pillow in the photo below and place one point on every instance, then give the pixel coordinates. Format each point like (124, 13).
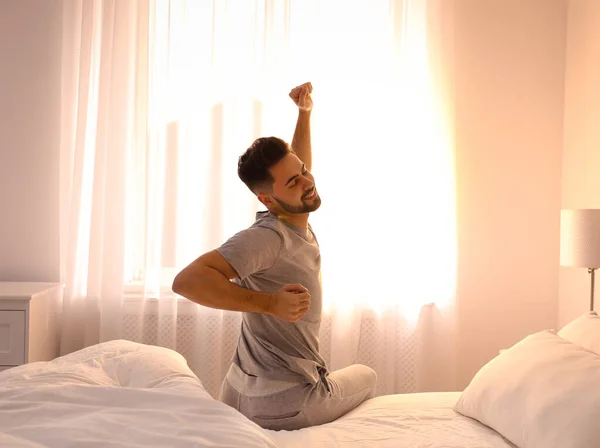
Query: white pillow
(544, 392)
(584, 331)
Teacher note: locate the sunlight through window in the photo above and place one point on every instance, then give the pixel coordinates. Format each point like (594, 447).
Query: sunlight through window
(382, 152)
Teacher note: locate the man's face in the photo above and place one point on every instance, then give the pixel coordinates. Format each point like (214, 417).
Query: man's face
(294, 186)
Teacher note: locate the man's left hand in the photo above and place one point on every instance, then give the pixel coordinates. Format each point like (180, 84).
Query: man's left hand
(301, 97)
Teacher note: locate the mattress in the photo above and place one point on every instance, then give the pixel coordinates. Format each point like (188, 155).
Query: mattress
(123, 394)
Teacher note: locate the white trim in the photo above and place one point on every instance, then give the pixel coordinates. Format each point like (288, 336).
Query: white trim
(137, 291)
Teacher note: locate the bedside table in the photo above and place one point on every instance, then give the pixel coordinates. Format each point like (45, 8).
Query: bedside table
(29, 322)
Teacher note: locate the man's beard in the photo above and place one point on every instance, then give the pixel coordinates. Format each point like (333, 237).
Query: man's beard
(300, 209)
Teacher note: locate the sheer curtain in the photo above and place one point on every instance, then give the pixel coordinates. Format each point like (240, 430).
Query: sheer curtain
(159, 100)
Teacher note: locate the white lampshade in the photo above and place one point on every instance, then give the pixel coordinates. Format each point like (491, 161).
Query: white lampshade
(580, 238)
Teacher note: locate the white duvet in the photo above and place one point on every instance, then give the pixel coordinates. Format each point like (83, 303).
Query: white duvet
(123, 394)
(117, 394)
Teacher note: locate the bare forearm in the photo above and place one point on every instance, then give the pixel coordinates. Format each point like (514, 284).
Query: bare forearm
(214, 290)
(301, 142)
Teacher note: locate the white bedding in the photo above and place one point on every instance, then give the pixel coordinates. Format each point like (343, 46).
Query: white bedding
(399, 421)
(117, 394)
(123, 394)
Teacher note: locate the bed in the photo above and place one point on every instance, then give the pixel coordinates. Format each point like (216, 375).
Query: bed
(121, 393)
(125, 394)
(398, 421)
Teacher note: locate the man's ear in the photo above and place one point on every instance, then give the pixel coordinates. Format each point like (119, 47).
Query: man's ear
(265, 199)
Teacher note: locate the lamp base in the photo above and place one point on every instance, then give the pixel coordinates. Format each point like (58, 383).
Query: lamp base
(592, 271)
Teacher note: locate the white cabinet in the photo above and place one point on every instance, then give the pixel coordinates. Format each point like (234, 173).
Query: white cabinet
(29, 322)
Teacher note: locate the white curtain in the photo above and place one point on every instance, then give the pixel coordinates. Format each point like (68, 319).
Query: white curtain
(159, 100)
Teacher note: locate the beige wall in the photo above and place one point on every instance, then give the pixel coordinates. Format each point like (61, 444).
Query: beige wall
(581, 156)
(509, 65)
(30, 39)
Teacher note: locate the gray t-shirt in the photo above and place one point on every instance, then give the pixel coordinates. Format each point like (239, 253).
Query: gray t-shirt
(267, 256)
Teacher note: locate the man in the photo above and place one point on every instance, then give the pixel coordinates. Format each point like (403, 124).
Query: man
(271, 273)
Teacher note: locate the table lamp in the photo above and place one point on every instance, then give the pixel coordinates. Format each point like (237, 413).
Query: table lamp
(580, 241)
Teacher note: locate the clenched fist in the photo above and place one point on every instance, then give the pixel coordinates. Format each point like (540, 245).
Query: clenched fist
(290, 303)
(301, 96)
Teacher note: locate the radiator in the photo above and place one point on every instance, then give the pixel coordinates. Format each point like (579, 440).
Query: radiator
(207, 339)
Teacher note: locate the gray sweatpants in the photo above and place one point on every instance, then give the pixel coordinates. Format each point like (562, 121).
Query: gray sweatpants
(288, 405)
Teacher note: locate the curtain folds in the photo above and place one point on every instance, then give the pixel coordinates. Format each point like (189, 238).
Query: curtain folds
(159, 99)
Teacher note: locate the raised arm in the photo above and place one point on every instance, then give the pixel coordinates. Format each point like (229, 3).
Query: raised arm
(301, 142)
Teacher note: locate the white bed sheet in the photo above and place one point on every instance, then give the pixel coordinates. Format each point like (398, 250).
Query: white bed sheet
(398, 421)
(123, 394)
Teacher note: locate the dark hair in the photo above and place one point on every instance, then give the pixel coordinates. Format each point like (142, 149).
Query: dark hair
(254, 164)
